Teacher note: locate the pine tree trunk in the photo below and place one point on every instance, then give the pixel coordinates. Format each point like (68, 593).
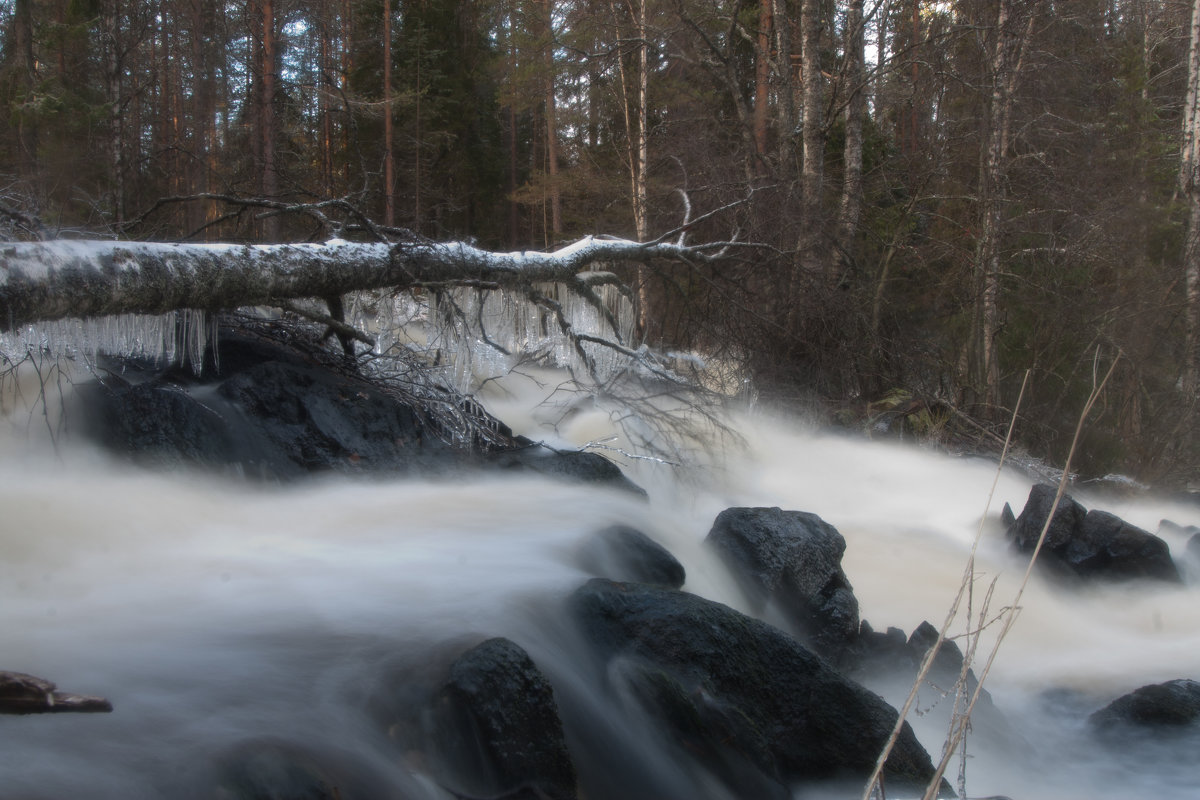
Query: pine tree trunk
(110, 26)
(556, 227)
(27, 135)
(1189, 184)
(269, 175)
(785, 114)
(389, 165)
(762, 88)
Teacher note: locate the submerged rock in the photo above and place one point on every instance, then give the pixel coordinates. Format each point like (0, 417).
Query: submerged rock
(791, 561)
(571, 465)
(1163, 706)
(747, 701)
(28, 694)
(269, 769)
(495, 729)
(1089, 544)
(623, 553)
(947, 666)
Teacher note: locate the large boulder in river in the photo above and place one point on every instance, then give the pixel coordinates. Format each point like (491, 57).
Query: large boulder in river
(494, 728)
(264, 409)
(791, 562)
(1170, 706)
(745, 700)
(1089, 544)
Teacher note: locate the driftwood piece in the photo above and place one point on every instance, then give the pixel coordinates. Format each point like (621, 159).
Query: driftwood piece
(28, 694)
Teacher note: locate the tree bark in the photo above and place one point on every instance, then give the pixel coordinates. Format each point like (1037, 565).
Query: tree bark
(1014, 27)
(785, 114)
(110, 27)
(64, 279)
(269, 175)
(762, 88)
(812, 176)
(556, 226)
(203, 108)
(850, 208)
(389, 164)
(27, 134)
(1189, 185)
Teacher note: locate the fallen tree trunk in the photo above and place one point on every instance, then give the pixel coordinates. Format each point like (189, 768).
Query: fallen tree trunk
(45, 281)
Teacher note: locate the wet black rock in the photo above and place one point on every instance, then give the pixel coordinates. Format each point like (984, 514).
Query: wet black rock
(747, 701)
(495, 730)
(791, 562)
(264, 410)
(1089, 544)
(28, 694)
(571, 465)
(884, 652)
(307, 419)
(622, 553)
(1007, 517)
(1170, 706)
(157, 423)
(947, 665)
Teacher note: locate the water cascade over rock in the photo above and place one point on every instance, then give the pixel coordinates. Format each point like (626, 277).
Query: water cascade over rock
(489, 618)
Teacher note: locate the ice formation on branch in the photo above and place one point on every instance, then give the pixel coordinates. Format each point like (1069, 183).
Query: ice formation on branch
(483, 309)
(177, 337)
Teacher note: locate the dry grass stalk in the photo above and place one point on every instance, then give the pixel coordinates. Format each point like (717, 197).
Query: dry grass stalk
(1012, 611)
(964, 586)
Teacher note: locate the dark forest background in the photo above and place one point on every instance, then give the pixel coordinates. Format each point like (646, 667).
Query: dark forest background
(948, 194)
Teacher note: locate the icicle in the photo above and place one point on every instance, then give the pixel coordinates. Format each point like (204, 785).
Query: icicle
(180, 335)
(480, 333)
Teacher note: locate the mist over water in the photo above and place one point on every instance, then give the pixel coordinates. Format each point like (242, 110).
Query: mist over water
(214, 612)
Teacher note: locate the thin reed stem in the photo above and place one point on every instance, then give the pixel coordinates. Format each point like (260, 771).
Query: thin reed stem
(1015, 608)
(968, 575)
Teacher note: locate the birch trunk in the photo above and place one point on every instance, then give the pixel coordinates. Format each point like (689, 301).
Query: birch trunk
(79, 279)
(850, 207)
(812, 174)
(1014, 27)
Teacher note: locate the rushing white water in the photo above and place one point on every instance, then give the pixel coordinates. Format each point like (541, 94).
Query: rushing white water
(214, 613)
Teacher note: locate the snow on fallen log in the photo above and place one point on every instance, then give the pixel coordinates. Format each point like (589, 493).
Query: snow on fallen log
(48, 281)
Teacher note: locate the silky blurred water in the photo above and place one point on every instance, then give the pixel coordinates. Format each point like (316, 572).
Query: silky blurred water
(213, 612)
